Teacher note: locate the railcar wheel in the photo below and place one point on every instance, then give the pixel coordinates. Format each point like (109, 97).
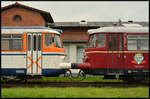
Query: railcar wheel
(139, 79)
(134, 79)
(13, 78)
(82, 74)
(68, 73)
(79, 77)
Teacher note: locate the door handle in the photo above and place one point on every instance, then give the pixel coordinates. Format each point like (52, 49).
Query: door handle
(118, 55)
(125, 57)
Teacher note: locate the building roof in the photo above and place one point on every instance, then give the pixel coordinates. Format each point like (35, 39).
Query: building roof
(83, 37)
(90, 24)
(72, 37)
(46, 15)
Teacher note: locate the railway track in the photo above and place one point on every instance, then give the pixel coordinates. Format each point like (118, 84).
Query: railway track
(71, 84)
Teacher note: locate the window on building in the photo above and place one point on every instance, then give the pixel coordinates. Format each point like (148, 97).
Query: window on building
(101, 40)
(48, 40)
(12, 42)
(138, 42)
(92, 41)
(17, 18)
(57, 41)
(67, 53)
(80, 53)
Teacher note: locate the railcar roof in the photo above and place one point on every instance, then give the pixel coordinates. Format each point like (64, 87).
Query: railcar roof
(120, 29)
(25, 29)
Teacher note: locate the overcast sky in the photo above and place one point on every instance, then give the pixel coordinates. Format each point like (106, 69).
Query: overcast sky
(64, 11)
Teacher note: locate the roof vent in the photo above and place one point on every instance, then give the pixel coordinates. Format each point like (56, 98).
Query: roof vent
(130, 21)
(83, 22)
(119, 22)
(114, 24)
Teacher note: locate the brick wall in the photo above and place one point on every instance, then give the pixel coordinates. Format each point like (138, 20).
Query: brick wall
(29, 18)
(75, 34)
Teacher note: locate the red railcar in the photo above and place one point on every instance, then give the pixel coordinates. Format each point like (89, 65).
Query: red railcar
(119, 51)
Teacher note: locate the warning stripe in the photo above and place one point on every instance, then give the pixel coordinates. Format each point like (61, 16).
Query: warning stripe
(36, 62)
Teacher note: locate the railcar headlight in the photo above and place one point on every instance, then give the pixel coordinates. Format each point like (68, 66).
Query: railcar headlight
(129, 71)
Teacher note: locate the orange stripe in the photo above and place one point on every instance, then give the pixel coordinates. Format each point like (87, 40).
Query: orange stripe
(29, 58)
(38, 66)
(30, 65)
(24, 42)
(31, 61)
(34, 62)
(53, 49)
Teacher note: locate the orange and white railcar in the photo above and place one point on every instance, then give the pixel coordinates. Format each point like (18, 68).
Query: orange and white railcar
(35, 51)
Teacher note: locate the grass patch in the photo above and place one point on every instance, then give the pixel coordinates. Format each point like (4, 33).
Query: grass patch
(75, 92)
(87, 79)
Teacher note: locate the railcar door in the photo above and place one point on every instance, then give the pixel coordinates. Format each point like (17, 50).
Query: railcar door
(34, 54)
(115, 53)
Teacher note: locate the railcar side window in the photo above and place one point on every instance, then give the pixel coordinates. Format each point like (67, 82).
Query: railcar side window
(48, 40)
(101, 40)
(57, 41)
(132, 44)
(13, 42)
(92, 41)
(144, 45)
(138, 42)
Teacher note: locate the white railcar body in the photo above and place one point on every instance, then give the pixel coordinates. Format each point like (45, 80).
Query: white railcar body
(32, 59)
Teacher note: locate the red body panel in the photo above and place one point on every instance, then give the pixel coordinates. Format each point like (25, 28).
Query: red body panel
(103, 58)
(130, 62)
(96, 61)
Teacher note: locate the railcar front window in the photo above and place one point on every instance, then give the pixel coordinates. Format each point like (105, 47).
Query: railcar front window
(48, 40)
(92, 41)
(12, 42)
(57, 41)
(101, 40)
(138, 42)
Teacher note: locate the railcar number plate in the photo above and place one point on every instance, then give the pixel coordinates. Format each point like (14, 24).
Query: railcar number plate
(19, 71)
